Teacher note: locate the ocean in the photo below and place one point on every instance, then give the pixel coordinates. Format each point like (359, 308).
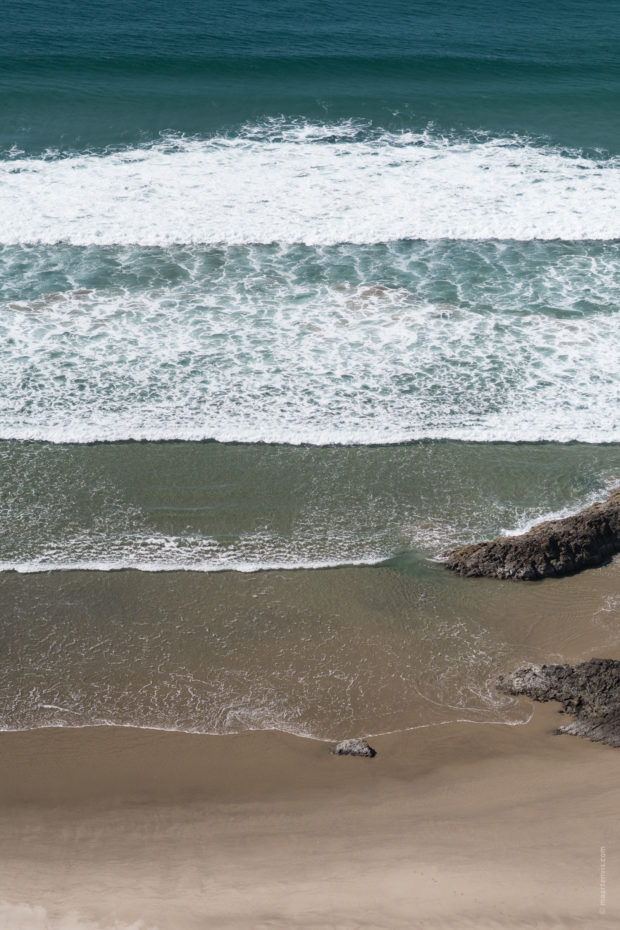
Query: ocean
(293, 298)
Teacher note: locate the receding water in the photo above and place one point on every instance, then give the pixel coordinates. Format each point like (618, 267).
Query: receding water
(280, 586)
(212, 507)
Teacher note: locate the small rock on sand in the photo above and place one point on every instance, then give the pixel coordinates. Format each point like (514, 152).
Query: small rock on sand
(353, 747)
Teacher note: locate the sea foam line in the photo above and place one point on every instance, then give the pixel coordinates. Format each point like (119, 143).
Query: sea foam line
(297, 732)
(311, 189)
(493, 431)
(35, 566)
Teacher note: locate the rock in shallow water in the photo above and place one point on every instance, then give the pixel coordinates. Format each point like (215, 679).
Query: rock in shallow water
(558, 547)
(353, 747)
(590, 692)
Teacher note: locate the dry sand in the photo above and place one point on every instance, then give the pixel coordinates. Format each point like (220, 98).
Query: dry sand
(460, 826)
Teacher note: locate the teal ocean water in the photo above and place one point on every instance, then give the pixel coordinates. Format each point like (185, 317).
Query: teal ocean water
(296, 296)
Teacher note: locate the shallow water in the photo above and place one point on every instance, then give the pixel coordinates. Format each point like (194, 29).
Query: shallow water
(213, 506)
(204, 631)
(323, 653)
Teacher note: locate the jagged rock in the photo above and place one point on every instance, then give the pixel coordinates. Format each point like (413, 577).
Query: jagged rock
(590, 692)
(353, 747)
(549, 550)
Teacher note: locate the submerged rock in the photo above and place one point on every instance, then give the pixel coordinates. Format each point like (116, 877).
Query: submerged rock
(353, 747)
(549, 550)
(590, 692)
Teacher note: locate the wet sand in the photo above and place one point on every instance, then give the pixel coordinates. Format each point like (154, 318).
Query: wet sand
(462, 825)
(454, 826)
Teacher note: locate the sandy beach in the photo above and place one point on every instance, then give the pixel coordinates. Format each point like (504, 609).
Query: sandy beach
(456, 826)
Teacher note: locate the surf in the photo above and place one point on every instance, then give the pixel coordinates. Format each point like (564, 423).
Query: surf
(319, 185)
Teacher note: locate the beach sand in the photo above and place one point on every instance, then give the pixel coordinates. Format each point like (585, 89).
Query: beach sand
(461, 825)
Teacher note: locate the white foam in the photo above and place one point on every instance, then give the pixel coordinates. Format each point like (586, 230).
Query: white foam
(344, 365)
(527, 521)
(135, 563)
(311, 184)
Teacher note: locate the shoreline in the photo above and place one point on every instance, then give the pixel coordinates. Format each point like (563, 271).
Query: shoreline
(454, 826)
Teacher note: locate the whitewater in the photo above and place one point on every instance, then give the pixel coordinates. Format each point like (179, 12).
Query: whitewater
(311, 283)
(314, 185)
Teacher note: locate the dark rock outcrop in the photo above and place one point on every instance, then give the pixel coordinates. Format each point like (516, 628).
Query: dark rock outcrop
(590, 692)
(549, 550)
(353, 747)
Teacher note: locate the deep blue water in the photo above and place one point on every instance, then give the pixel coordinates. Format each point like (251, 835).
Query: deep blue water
(76, 75)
